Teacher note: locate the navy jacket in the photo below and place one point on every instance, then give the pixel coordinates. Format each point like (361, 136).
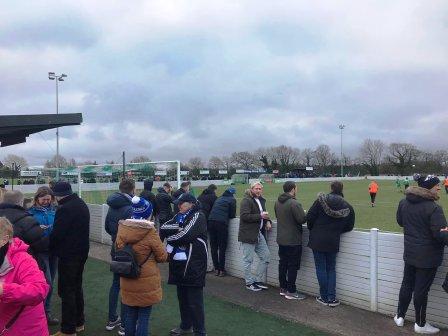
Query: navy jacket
(70, 236)
(120, 207)
(224, 208)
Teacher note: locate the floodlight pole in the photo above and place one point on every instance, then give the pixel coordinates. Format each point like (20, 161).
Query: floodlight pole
(341, 127)
(57, 78)
(178, 175)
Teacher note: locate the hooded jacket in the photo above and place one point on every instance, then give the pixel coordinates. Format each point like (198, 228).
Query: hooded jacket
(224, 208)
(207, 199)
(422, 218)
(120, 207)
(250, 219)
(290, 217)
(190, 236)
(23, 285)
(26, 228)
(164, 201)
(146, 290)
(44, 216)
(329, 217)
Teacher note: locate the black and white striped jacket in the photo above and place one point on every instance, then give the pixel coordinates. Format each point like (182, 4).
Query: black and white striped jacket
(191, 236)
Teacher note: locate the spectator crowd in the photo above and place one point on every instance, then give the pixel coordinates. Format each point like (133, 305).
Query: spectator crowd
(49, 240)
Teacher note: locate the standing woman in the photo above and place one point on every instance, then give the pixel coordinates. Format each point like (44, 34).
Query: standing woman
(140, 294)
(424, 227)
(328, 218)
(43, 211)
(22, 287)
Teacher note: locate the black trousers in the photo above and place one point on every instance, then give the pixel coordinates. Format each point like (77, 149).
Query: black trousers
(288, 266)
(372, 197)
(417, 281)
(191, 306)
(218, 232)
(71, 293)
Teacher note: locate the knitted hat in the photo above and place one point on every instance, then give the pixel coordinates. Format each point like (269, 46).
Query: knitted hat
(62, 188)
(426, 181)
(142, 209)
(231, 190)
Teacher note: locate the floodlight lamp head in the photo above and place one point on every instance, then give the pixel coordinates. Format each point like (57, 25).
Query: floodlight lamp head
(63, 75)
(60, 79)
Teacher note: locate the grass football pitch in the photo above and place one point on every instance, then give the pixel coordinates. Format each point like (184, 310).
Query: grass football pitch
(382, 216)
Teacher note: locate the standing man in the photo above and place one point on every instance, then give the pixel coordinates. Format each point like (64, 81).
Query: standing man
(148, 195)
(254, 221)
(207, 198)
(223, 210)
(69, 241)
(406, 183)
(290, 217)
(186, 236)
(120, 208)
(184, 188)
(328, 218)
(423, 222)
(164, 201)
(445, 183)
(373, 190)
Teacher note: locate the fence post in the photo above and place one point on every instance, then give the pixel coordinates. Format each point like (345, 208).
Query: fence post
(374, 269)
(104, 209)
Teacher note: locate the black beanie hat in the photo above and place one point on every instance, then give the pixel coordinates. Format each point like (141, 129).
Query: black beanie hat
(426, 181)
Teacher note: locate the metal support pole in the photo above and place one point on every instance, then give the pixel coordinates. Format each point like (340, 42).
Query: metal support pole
(124, 164)
(79, 184)
(341, 127)
(57, 132)
(178, 175)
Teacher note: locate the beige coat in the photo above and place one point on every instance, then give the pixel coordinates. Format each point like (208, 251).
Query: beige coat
(146, 290)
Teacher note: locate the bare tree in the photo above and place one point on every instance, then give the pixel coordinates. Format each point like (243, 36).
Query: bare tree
(53, 163)
(195, 163)
(215, 163)
(371, 153)
(71, 162)
(244, 160)
(19, 160)
(227, 162)
(401, 155)
(308, 157)
(287, 157)
(140, 159)
(323, 156)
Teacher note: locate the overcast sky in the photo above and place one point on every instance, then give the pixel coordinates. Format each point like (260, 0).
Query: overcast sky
(176, 79)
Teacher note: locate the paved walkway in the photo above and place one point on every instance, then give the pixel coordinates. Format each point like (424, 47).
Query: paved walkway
(343, 320)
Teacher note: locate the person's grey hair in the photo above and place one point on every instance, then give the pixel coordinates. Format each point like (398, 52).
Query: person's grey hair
(253, 184)
(15, 197)
(6, 230)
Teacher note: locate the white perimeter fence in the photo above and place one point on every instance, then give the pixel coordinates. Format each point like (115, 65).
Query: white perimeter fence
(369, 268)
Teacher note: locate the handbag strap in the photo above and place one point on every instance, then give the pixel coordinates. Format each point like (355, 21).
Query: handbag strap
(12, 321)
(147, 258)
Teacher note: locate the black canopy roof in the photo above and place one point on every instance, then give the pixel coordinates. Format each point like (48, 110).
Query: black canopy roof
(14, 129)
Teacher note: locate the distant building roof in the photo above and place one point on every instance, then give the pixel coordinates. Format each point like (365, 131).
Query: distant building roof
(14, 129)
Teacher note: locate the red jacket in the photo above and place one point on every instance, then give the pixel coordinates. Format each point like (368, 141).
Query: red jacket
(23, 285)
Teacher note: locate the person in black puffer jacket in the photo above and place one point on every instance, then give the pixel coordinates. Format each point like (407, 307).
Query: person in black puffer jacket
(25, 226)
(186, 236)
(223, 210)
(425, 234)
(164, 201)
(328, 218)
(120, 208)
(148, 195)
(207, 198)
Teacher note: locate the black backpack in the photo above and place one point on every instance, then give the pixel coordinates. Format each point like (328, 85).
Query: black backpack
(124, 262)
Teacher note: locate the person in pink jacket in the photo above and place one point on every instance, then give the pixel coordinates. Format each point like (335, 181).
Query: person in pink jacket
(23, 288)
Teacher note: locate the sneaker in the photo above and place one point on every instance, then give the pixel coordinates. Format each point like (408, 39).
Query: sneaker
(283, 291)
(121, 331)
(222, 274)
(52, 321)
(111, 325)
(217, 273)
(261, 285)
(426, 329)
(334, 303)
(399, 321)
(321, 301)
(294, 296)
(253, 287)
(80, 328)
(179, 331)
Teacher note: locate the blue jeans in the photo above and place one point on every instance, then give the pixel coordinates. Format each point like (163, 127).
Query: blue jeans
(113, 299)
(50, 263)
(262, 250)
(326, 274)
(137, 321)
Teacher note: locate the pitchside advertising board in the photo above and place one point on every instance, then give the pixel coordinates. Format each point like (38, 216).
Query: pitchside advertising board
(30, 173)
